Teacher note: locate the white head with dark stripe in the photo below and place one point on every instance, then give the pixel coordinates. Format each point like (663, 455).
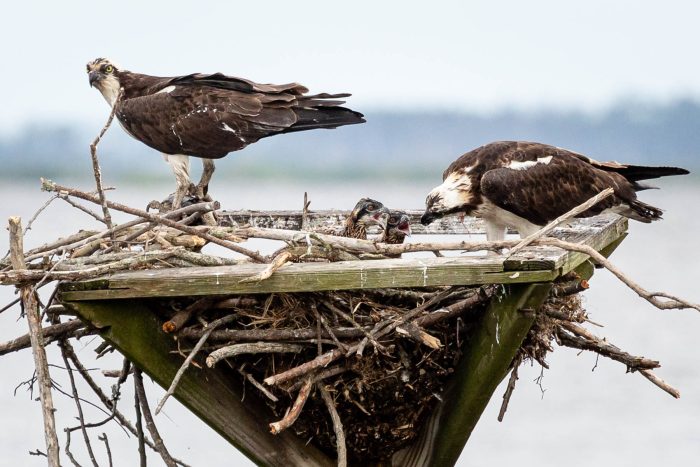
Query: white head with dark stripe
(454, 195)
(104, 75)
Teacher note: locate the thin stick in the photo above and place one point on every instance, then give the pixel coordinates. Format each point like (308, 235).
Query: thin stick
(293, 414)
(561, 219)
(103, 437)
(337, 425)
(139, 429)
(252, 348)
(648, 374)
(39, 211)
(48, 185)
(50, 333)
(509, 390)
(81, 418)
(31, 308)
(190, 357)
(277, 262)
(79, 206)
(260, 387)
(150, 424)
(96, 163)
(671, 301)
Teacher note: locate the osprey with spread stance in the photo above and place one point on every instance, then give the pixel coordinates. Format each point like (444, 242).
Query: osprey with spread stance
(526, 185)
(208, 116)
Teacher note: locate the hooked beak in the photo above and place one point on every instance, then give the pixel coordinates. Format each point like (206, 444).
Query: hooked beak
(95, 76)
(429, 217)
(381, 217)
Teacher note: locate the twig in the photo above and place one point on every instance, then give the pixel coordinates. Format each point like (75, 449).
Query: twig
(48, 185)
(337, 425)
(96, 164)
(50, 333)
(81, 418)
(294, 411)
(139, 429)
(671, 301)
(511, 386)
(190, 357)
(561, 219)
(31, 308)
(254, 348)
(103, 437)
(278, 261)
(648, 374)
(181, 318)
(79, 206)
(39, 211)
(260, 387)
(326, 326)
(150, 424)
(584, 340)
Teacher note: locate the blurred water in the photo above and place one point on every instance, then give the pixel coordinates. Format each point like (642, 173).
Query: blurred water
(584, 417)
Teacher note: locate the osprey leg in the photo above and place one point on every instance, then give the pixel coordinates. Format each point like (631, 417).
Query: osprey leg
(180, 164)
(203, 185)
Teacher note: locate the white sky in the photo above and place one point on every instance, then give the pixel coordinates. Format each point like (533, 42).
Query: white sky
(467, 56)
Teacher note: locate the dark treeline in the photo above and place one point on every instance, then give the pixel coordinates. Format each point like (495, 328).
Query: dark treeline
(407, 143)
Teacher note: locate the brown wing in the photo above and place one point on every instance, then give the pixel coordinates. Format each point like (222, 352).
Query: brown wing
(212, 115)
(542, 192)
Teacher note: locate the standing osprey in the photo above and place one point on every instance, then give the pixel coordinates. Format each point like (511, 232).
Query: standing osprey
(526, 185)
(208, 116)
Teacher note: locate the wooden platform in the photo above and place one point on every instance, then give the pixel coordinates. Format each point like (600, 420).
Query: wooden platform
(533, 264)
(115, 304)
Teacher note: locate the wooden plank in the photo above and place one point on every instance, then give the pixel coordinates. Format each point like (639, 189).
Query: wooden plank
(597, 232)
(303, 277)
(291, 220)
(211, 394)
(486, 361)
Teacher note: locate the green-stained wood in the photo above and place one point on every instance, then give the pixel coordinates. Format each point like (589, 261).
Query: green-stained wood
(597, 232)
(486, 361)
(303, 277)
(211, 394)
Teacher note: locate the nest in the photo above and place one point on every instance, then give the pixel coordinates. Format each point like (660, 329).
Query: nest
(383, 388)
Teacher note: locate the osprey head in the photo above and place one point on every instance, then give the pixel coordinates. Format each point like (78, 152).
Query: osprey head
(453, 196)
(104, 76)
(399, 221)
(370, 212)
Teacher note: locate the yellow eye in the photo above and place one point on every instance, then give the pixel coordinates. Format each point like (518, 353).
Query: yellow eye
(109, 69)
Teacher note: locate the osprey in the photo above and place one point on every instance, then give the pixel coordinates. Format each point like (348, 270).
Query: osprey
(526, 185)
(210, 115)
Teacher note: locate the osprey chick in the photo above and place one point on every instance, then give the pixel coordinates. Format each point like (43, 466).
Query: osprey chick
(367, 212)
(398, 227)
(210, 115)
(526, 185)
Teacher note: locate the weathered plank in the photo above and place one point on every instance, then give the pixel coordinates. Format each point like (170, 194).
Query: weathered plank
(291, 220)
(302, 277)
(486, 360)
(210, 393)
(597, 232)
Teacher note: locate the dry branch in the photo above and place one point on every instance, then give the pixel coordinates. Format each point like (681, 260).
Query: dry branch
(31, 309)
(50, 333)
(150, 424)
(337, 425)
(295, 410)
(48, 185)
(254, 348)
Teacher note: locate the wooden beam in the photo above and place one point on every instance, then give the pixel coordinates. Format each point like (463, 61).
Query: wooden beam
(302, 277)
(211, 394)
(486, 360)
(291, 220)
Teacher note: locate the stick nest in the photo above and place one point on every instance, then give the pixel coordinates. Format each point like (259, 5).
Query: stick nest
(383, 392)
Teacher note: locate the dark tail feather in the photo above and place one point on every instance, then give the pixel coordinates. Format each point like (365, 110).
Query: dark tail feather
(640, 172)
(324, 117)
